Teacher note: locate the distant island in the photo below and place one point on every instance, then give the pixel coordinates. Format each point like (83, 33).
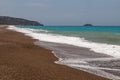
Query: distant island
(6, 20)
(88, 25)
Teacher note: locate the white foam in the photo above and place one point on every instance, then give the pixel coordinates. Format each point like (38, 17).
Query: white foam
(96, 70)
(82, 65)
(113, 50)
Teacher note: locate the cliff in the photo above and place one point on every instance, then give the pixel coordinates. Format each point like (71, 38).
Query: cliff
(17, 21)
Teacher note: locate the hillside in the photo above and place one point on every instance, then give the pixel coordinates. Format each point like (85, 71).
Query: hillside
(17, 21)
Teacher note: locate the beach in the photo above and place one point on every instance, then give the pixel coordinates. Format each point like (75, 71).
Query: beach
(21, 59)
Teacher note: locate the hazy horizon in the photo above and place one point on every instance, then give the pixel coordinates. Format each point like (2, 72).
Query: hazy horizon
(64, 12)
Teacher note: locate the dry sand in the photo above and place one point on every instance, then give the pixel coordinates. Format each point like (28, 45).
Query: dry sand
(20, 59)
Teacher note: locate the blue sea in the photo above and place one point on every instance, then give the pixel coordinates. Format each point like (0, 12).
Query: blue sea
(102, 34)
(95, 49)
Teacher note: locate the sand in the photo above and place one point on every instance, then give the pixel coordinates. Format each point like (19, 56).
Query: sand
(20, 59)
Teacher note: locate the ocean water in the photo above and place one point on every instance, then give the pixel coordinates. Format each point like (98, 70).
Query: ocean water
(95, 49)
(102, 34)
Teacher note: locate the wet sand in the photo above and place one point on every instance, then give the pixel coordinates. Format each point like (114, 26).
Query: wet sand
(20, 59)
(84, 59)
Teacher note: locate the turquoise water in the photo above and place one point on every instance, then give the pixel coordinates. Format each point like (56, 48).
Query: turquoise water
(88, 48)
(101, 34)
(114, 29)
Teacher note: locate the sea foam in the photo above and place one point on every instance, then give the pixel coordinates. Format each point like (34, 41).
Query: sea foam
(82, 64)
(109, 49)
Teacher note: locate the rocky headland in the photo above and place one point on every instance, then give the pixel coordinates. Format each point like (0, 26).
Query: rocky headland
(6, 20)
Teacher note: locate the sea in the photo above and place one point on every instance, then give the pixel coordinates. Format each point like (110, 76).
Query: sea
(95, 49)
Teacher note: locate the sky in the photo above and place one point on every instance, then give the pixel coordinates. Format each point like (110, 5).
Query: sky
(64, 12)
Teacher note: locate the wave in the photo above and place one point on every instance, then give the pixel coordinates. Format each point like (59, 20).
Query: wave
(82, 64)
(109, 49)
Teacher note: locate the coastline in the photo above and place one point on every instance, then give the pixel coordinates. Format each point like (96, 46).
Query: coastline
(21, 59)
(85, 60)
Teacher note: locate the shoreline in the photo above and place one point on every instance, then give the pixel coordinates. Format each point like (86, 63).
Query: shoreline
(27, 61)
(80, 63)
